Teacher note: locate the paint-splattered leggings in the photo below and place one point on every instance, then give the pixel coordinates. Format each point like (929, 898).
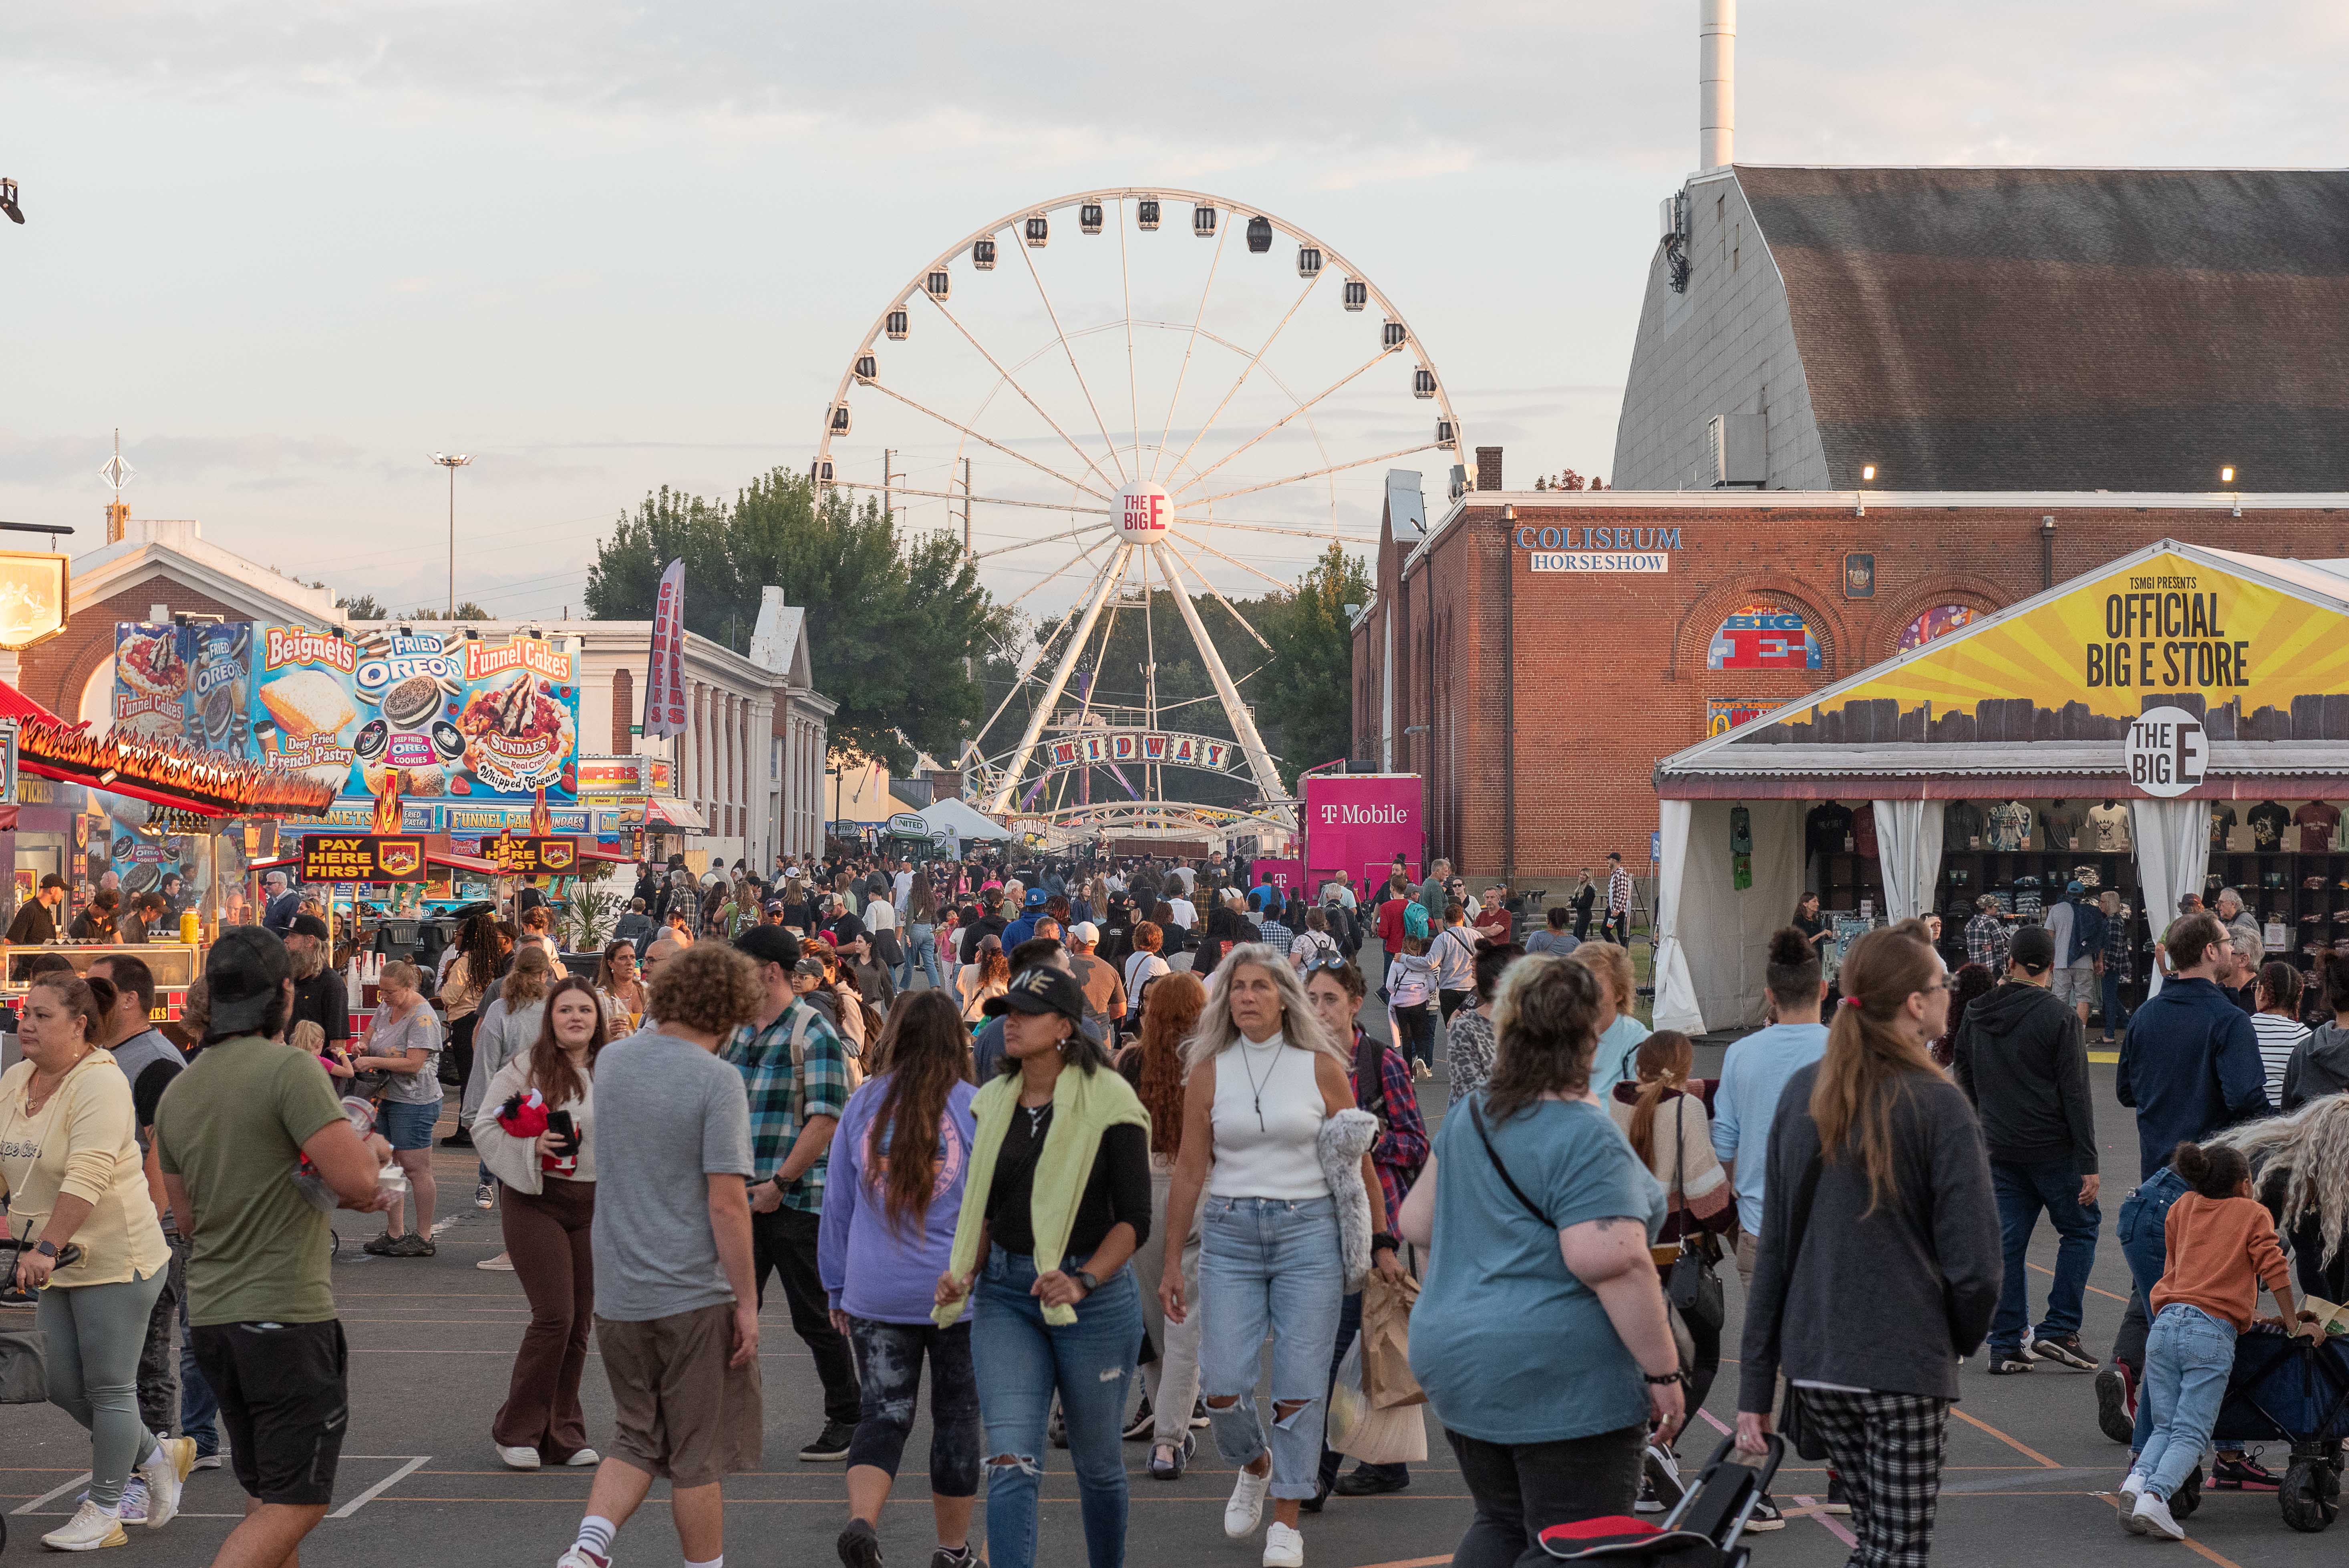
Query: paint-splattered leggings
(889, 1383)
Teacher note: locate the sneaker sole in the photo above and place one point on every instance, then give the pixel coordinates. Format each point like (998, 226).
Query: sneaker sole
(822, 1457)
(117, 1539)
(1763, 1526)
(2061, 1357)
(858, 1550)
(2111, 1405)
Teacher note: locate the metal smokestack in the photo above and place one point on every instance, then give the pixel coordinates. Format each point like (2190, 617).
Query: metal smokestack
(1716, 83)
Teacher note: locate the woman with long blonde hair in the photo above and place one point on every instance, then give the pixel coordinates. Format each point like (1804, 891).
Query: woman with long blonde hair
(1878, 1160)
(1618, 1042)
(1154, 1064)
(1265, 1077)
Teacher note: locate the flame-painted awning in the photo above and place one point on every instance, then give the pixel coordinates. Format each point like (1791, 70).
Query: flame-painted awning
(204, 783)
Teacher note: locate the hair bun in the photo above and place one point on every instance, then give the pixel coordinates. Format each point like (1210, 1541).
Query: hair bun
(2192, 1162)
(1789, 948)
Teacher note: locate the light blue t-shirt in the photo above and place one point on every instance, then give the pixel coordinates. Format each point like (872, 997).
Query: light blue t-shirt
(1509, 1345)
(1752, 1075)
(1617, 1058)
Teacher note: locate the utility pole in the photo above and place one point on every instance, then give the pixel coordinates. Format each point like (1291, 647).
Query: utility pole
(452, 461)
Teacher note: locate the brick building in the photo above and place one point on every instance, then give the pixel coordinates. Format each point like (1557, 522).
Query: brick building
(1534, 688)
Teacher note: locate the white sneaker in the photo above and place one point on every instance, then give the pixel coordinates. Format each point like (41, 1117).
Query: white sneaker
(2131, 1490)
(518, 1457)
(2153, 1518)
(88, 1531)
(501, 1263)
(1283, 1547)
(1247, 1506)
(164, 1473)
(580, 1557)
(583, 1458)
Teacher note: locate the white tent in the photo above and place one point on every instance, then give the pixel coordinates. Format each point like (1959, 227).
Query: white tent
(955, 816)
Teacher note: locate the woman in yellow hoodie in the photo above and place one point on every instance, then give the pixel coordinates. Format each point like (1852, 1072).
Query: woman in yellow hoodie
(91, 1246)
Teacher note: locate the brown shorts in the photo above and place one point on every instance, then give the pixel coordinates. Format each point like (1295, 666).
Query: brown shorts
(681, 1412)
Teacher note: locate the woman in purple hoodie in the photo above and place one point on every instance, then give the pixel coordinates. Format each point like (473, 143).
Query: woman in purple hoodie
(896, 1190)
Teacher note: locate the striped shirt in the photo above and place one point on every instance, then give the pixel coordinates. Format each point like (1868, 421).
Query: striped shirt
(2278, 1035)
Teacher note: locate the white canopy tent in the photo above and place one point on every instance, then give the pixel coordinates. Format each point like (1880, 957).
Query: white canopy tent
(962, 820)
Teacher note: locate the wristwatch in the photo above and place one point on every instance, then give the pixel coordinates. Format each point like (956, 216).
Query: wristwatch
(1086, 1279)
(777, 1181)
(47, 1249)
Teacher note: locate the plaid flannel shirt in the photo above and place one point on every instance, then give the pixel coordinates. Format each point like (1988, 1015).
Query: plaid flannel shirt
(763, 1058)
(1618, 890)
(1401, 1152)
(1988, 941)
(2119, 951)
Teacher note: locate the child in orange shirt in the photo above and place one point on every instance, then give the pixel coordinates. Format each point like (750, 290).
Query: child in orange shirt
(2221, 1246)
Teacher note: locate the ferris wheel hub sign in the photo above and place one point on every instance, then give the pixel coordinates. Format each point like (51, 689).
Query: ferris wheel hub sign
(1144, 511)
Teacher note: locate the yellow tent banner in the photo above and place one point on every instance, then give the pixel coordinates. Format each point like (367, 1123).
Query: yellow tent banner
(2161, 628)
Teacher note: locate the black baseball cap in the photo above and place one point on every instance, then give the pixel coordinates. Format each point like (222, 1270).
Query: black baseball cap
(769, 945)
(2035, 948)
(1042, 989)
(50, 880)
(242, 973)
(310, 926)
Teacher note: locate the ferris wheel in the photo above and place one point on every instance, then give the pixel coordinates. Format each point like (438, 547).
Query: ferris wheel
(1106, 407)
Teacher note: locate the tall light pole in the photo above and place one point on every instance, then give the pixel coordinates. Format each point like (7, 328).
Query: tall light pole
(452, 461)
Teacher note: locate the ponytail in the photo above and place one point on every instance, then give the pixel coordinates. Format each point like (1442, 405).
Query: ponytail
(1869, 1063)
(1664, 1059)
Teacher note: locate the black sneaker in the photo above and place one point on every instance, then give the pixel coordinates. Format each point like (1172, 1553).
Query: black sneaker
(1057, 1429)
(1766, 1517)
(2009, 1363)
(1646, 1501)
(831, 1444)
(1144, 1418)
(2065, 1352)
(1659, 1482)
(858, 1546)
(2116, 1403)
(383, 1246)
(1836, 1502)
(951, 1557)
(2242, 1473)
(1199, 1415)
(413, 1245)
(1362, 1483)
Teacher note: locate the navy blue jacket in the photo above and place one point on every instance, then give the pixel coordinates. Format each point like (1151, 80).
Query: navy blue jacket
(2190, 1066)
(2088, 930)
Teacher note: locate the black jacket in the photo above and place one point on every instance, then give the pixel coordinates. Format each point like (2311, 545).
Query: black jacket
(2020, 1059)
(1886, 1299)
(2318, 1066)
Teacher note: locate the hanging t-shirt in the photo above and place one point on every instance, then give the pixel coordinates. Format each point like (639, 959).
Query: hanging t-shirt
(2222, 822)
(2268, 822)
(2316, 822)
(1823, 829)
(1961, 826)
(2066, 822)
(2010, 825)
(1863, 830)
(2109, 824)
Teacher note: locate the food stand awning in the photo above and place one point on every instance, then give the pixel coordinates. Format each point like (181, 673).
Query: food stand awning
(666, 811)
(204, 783)
(2040, 700)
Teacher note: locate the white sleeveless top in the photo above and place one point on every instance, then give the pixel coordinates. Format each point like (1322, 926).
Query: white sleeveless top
(1268, 1113)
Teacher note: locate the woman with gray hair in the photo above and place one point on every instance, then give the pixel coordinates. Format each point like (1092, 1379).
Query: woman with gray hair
(1271, 1134)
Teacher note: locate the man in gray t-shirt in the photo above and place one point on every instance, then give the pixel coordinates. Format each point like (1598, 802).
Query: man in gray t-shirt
(668, 1116)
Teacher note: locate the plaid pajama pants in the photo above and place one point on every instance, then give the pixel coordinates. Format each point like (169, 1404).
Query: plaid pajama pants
(1887, 1449)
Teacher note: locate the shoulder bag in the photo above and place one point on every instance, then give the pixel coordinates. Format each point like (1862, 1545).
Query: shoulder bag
(1693, 1286)
(1476, 1119)
(1794, 1419)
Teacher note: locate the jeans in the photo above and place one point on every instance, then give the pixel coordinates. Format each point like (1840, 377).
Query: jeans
(2022, 1191)
(1269, 1266)
(1416, 1033)
(199, 1410)
(157, 1395)
(1350, 1324)
(2145, 1244)
(2188, 1358)
(1021, 1363)
(889, 1372)
(921, 950)
(1523, 1489)
(2115, 1021)
(94, 1334)
(784, 1241)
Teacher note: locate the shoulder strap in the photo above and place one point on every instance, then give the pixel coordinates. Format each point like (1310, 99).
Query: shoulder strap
(1476, 1119)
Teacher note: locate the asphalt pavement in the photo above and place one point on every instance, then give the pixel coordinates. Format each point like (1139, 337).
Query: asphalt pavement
(2026, 1481)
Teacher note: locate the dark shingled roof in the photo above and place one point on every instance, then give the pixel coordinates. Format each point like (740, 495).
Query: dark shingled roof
(2126, 329)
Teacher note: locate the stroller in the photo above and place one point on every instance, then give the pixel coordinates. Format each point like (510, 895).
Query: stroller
(2284, 1389)
(1701, 1532)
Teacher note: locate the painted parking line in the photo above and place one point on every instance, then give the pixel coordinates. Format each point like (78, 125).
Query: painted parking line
(81, 1480)
(2190, 1543)
(409, 1464)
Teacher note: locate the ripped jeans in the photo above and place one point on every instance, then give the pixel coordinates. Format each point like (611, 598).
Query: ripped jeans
(889, 1378)
(1268, 1266)
(1021, 1363)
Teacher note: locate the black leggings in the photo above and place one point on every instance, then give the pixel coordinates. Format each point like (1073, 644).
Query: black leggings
(1523, 1489)
(889, 1380)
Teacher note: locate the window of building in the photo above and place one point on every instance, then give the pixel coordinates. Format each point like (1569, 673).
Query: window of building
(1939, 621)
(1760, 636)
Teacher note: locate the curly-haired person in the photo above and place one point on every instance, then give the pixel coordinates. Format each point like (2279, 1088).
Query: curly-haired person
(677, 1315)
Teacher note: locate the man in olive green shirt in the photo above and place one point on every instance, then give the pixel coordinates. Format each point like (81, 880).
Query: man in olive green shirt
(230, 1134)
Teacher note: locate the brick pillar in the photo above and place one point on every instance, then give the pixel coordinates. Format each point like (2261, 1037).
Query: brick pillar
(623, 706)
(1488, 468)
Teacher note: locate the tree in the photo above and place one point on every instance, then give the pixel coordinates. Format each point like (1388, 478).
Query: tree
(363, 607)
(466, 610)
(1307, 694)
(891, 618)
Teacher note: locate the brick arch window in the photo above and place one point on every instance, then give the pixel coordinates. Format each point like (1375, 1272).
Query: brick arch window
(1927, 613)
(1758, 630)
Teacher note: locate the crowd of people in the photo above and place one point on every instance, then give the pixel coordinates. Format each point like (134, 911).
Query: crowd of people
(1048, 1133)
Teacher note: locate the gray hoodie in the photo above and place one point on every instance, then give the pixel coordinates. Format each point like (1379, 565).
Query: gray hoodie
(2318, 1067)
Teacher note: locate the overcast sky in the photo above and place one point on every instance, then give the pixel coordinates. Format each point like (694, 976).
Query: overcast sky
(291, 249)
